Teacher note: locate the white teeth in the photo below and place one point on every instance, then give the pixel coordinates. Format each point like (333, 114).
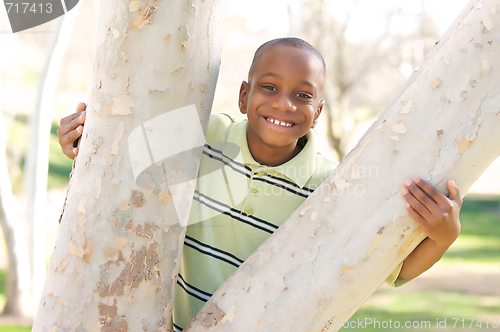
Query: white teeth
(280, 123)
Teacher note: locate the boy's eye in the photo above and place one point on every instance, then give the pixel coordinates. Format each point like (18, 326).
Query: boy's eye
(304, 95)
(269, 87)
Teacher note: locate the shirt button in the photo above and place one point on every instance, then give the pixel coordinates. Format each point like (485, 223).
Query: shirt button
(261, 173)
(255, 191)
(249, 211)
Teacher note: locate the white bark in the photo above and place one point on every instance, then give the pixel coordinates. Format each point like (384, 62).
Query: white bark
(118, 247)
(344, 241)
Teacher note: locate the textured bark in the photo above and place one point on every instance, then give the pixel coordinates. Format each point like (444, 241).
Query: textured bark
(347, 237)
(117, 252)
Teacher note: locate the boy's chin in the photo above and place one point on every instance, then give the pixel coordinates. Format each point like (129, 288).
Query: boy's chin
(280, 143)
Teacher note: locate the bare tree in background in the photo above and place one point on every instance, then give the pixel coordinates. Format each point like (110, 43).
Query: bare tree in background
(18, 282)
(361, 77)
(37, 153)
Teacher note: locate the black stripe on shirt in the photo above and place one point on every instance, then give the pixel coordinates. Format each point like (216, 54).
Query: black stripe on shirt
(247, 168)
(193, 287)
(177, 327)
(231, 163)
(296, 192)
(278, 179)
(205, 249)
(272, 180)
(205, 200)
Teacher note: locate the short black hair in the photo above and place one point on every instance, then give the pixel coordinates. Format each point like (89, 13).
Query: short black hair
(287, 41)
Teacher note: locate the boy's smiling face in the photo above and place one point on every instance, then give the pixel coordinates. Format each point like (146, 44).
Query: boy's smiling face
(282, 100)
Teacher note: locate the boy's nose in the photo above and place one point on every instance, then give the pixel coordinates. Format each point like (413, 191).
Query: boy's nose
(284, 103)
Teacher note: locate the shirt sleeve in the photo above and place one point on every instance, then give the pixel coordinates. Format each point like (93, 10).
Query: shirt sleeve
(393, 279)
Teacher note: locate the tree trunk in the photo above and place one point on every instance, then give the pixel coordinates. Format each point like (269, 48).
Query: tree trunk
(117, 252)
(347, 237)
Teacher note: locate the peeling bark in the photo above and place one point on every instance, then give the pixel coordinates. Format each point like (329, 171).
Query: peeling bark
(116, 258)
(347, 237)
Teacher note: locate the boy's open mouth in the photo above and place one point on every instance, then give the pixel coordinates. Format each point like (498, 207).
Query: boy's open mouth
(279, 123)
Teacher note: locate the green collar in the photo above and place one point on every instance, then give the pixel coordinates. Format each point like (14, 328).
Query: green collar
(299, 169)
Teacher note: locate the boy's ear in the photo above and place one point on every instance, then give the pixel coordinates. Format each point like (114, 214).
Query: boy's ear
(243, 97)
(318, 112)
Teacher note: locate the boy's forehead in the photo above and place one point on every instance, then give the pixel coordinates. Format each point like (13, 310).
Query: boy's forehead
(300, 57)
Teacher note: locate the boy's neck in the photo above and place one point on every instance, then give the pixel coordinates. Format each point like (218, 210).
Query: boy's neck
(272, 156)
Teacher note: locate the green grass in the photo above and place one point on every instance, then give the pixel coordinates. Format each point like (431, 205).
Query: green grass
(2, 287)
(426, 306)
(10, 328)
(479, 240)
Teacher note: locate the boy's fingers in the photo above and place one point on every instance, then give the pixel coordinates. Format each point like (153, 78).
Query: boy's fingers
(71, 127)
(69, 118)
(74, 134)
(75, 121)
(420, 195)
(416, 204)
(69, 152)
(70, 123)
(81, 107)
(67, 140)
(417, 217)
(435, 194)
(454, 192)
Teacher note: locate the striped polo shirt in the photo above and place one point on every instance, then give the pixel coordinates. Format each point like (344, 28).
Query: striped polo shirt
(238, 203)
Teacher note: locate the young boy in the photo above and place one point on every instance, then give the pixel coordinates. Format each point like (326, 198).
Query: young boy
(279, 166)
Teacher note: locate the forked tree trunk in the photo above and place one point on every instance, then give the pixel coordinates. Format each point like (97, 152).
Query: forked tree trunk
(115, 262)
(347, 237)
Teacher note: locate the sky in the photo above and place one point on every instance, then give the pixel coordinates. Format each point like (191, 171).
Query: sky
(368, 13)
(273, 15)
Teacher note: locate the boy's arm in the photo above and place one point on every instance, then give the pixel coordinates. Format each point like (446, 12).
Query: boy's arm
(438, 216)
(70, 130)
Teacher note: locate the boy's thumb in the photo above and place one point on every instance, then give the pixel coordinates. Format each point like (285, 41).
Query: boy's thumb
(454, 192)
